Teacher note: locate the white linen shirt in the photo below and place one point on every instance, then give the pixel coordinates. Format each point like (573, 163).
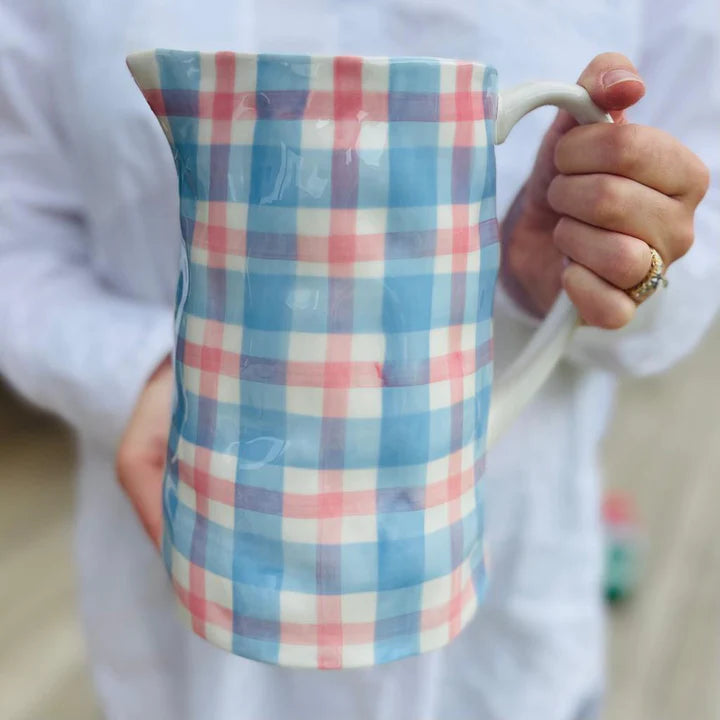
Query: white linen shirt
(89, 241)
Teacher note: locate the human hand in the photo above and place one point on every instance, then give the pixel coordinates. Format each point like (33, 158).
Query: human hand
(598, 198)
(140, 458)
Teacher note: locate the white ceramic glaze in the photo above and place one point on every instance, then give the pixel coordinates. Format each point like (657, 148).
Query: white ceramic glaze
(519, 383)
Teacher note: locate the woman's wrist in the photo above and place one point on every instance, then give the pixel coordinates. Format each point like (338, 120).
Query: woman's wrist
(512, 261)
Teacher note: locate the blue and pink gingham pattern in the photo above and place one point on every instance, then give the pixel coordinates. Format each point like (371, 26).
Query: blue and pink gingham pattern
(322, 502)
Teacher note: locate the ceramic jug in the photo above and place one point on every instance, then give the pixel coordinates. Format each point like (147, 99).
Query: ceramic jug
(322, 493)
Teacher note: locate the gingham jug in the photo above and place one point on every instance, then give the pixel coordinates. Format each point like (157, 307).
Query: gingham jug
(322, 497)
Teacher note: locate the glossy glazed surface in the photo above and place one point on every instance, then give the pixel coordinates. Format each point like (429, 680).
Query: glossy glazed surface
(334, 347)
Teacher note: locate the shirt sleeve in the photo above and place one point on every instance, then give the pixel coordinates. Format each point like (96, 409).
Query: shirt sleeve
(680, 62)
(67, 342)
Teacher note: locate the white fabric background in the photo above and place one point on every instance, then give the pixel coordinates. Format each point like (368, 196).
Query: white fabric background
(88, 260)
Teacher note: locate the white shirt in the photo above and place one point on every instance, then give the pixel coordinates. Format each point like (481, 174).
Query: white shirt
(88, 262)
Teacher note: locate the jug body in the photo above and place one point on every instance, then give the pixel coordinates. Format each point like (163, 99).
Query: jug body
(322, 496)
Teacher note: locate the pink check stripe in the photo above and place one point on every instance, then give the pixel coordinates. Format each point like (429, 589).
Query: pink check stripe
(224, 106)
(341, 248)
(353, 633)
(463, 139)
(339, 375)
(333, 501)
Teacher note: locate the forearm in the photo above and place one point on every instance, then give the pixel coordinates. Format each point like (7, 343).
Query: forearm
(510, 287)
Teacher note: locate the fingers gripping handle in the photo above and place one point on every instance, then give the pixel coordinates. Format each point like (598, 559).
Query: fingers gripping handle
(525, 376)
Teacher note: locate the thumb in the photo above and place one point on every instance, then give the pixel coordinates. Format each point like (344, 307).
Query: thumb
(613, 83)
(142, 482)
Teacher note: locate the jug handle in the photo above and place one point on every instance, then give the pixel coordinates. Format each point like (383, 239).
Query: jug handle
(527, 373)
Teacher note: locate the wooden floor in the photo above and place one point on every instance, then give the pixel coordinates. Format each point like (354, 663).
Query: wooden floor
(665, 644)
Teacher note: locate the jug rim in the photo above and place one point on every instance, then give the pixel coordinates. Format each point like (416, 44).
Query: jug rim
(289, 58)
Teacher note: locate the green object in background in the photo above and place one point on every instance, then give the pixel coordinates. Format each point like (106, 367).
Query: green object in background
(622, 547)
(621, 570)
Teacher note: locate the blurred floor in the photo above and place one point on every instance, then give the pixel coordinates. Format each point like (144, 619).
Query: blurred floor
(664, 448)
(665, 647)
(43, 672)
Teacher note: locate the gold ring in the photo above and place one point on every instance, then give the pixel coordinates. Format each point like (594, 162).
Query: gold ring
(652, 281)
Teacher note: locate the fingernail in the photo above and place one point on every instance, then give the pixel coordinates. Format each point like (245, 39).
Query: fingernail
(617, 76)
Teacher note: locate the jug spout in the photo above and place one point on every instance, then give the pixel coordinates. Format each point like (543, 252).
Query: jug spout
(145, 70)
(179, 86)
